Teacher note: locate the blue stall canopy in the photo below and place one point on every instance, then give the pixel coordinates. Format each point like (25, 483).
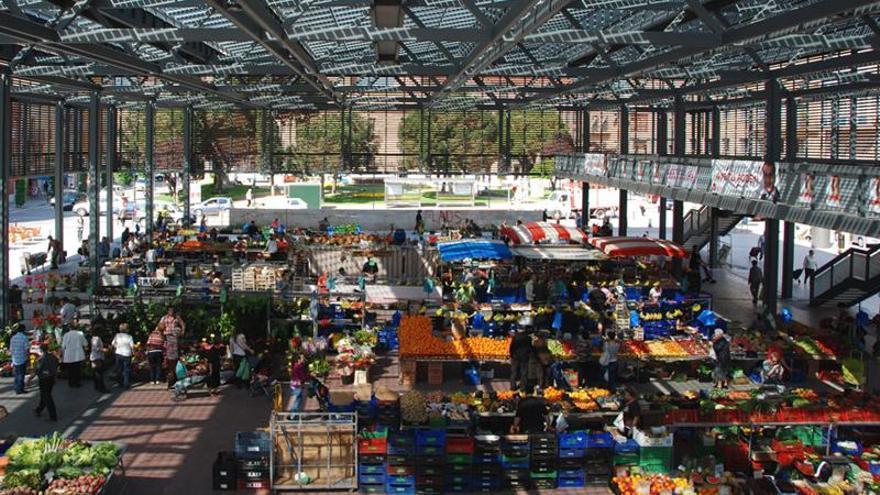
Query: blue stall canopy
(475, 250)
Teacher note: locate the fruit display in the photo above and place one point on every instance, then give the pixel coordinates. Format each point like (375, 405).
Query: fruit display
(18, 233)
(561, 350)
(418, 341)
(814, 348)
(655, 484)
(86, 484)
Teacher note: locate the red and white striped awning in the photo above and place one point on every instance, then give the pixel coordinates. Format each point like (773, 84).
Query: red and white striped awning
(543, 233)
(632, 247)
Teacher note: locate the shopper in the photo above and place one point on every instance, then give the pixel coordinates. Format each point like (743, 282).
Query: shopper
(96, 358)
(810, 266)
(46, 371)
(19, 348)
(520, 349)
(539, 361)
(213, 356)
(608, 359)
(299, 377)
(150, 259)
(632, 411)
(756, 280)
(721, 349)
(173, 327)
(67, 312)
(123, 345)
(531, 414)
(73, 347)
(155, 354)
(239, 349)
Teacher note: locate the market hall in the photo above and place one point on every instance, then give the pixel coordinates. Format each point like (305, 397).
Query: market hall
(424, 247)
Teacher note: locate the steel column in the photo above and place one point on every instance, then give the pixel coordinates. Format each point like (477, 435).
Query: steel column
(678, 148)
(788, 230)
(624, 130)
(149, 139)
(500, 137)
(791, 129)
(713, 237)
(662, 226)
(508, 140)
(59, 172)
(623, 208)
(94, 189)
(585, 205)
(586, 131)
(677, 232)
(5, 169)
(110, 166)
(715, 148)
(187, 162)
(773, 135)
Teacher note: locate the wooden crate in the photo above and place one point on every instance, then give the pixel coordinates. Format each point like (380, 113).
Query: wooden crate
(435, 373)
(408, 370)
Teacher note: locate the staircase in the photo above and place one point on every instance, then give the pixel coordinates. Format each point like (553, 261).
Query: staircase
(850, 278)
(698, 226)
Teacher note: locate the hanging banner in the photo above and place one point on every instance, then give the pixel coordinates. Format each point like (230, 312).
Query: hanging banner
(745, 179)
(873, 196)
(623, 167)
(595, 164)
(841, 194)
(807, 193)
(683, 176)
(649, 172)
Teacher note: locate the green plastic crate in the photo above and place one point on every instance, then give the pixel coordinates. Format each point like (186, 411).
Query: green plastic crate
(543, 476)
(459, 459)
(655, 454)
(626, 459)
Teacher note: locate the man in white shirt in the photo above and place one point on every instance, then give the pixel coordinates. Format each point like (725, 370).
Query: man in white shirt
(96, 357)
(73, 348)
(810, 266)
(655, 293)
(67, 311)
(123, 345)
(271, 247)
(150, 258)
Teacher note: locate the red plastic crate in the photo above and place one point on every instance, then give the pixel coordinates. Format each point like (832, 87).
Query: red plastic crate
(729, 416)
(372, 445)
(677, 416)
(253, 485)
(459, 445)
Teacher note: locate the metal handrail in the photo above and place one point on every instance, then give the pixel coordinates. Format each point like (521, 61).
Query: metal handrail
(844, 267)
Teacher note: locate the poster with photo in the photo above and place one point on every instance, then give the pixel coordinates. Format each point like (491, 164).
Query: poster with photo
(595, 164)
(807, 193)
(744, 179)
(873, 196)
(841, 193)
(649, 172)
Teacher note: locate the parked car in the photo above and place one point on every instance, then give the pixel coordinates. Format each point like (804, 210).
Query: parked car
(211, 206)
(82, 206)
(68, 198)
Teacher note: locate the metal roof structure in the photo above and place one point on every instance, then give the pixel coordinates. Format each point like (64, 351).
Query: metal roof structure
(441, 54)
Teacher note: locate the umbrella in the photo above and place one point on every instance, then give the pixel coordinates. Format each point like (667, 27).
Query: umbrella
(638, 246)
(543, 232)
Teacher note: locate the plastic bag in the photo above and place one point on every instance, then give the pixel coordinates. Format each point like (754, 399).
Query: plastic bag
(244, 371)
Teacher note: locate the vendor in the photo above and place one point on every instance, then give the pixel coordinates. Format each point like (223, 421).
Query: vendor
(773, 368)
(370, 268)
(253, 231)
(271, 247)
(632, 412)
(531, 414)
(655, 293)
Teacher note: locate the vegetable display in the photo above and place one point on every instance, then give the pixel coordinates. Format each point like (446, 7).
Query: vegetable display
(69, 467)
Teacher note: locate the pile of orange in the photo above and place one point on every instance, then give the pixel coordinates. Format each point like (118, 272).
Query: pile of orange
(658, 483)
(418, 341)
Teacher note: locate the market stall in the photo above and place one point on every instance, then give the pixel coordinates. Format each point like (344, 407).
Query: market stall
(633, 247)
(542, 233)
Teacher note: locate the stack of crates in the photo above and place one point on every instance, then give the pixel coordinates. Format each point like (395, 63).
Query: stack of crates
(224, 472)
(459, 463)
(543, 455)
(401, 468)
(626, 453)
(251, 453)
(599, 455)
(655, 450)
(430, 459)
(366, 411)
(372, 451)
(487, 463)
(572, 450)
(388, 412)
(515, 462)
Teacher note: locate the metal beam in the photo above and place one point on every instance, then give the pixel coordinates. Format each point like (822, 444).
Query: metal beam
(257, 21)
(657, 38)
(5, 169)
(187, 161)
(149, 166)
(59, 173)
(110, 167)
(94, 189)
(513, 26)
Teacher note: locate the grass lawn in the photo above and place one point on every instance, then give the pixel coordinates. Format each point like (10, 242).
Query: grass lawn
(375, 193)
(236, 192)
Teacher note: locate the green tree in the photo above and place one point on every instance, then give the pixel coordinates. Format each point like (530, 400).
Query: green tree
(459, 139)
(537, 135)
(323, 140)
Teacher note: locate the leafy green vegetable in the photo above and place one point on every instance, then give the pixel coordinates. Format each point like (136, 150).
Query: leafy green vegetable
(25, 478)
(68, 472)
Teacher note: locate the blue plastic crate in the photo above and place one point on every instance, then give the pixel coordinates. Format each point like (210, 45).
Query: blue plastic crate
(341, 409)
(371, 488)
(457, 488)
(836, 447)
(572, 453)
(430, 450)
(628, 447)
(571, 473)
(874, 468)
(602, 440)
(371, 479)
(404, 450)
(576, 440)
(515, 465)
(571, 482)
(400, 490)
(431, 437)
(405, 480)
(486, 458)
(371, 469)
